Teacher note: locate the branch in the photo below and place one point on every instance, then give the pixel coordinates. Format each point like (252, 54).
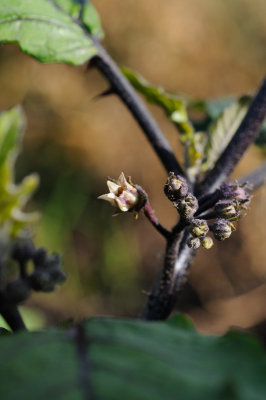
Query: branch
(119, 84)
(12, 316)
(149, 213)
(256, 178)
(243, 137)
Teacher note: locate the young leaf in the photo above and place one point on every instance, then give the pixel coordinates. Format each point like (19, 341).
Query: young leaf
(125, 359)
(48, 29)
(222, 130)
(174, 106)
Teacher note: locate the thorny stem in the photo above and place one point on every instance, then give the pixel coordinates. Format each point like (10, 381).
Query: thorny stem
(119, 85)
(243, 137)
(149, 213)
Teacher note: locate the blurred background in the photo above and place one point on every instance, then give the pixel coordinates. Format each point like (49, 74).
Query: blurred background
(202, 48)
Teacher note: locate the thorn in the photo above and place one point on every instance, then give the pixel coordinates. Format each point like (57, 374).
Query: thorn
(106, 93)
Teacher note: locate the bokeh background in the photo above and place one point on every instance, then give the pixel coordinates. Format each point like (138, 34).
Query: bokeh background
(202, 48)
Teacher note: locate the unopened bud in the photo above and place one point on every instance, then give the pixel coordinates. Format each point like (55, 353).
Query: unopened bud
(176, 187)
(193, 243)
(222, 229)
(237, 192)
(199, 227)
(124, 195)
(187, 207)
(41, 280)
(227, 208)
(207, 242)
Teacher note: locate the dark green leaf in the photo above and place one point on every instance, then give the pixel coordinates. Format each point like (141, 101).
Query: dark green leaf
(48, 29)
(127, 359)
(222, 130)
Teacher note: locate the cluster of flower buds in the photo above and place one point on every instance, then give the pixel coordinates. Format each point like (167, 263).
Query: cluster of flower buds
(223, 207)
(176, 189)
(45, 276)
(198, 230)
(233, 199)
(124, 195)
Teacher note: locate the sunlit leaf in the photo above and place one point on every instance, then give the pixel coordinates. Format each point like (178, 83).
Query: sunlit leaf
(49, 30)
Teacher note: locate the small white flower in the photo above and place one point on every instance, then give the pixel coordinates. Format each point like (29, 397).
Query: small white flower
(122, 194)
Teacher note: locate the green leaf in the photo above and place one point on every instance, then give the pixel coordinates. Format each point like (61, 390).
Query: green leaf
(49, 30)
(84, 11)
(222, 130)
(174, 106)
(109, 359)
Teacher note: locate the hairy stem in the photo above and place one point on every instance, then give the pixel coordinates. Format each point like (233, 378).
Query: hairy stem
(256, 178)
(12, 316)
(119, 85)
(243, 137)
(162, 299)
(149, 213)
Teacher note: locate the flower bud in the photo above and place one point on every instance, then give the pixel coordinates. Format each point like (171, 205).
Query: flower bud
(207, 242)
(222, 229)
(193, 243)
(199, 227)
(234, 191)
(124, 195)
(227, 208)
(187, 207)
(176, 187)
(41, 280)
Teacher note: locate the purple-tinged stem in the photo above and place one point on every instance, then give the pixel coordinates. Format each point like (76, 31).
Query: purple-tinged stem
(149, 213)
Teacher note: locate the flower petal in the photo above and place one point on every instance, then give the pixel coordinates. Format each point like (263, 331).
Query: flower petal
(112, 186)
(122, 179)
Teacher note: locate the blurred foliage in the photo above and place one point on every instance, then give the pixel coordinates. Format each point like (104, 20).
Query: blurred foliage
(134, 360)
(33, 319)
(13, 220)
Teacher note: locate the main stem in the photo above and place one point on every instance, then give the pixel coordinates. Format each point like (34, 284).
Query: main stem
(119, 85)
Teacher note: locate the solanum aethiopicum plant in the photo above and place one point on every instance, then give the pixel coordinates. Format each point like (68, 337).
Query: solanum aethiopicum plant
(206, 203)
(198, 188)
